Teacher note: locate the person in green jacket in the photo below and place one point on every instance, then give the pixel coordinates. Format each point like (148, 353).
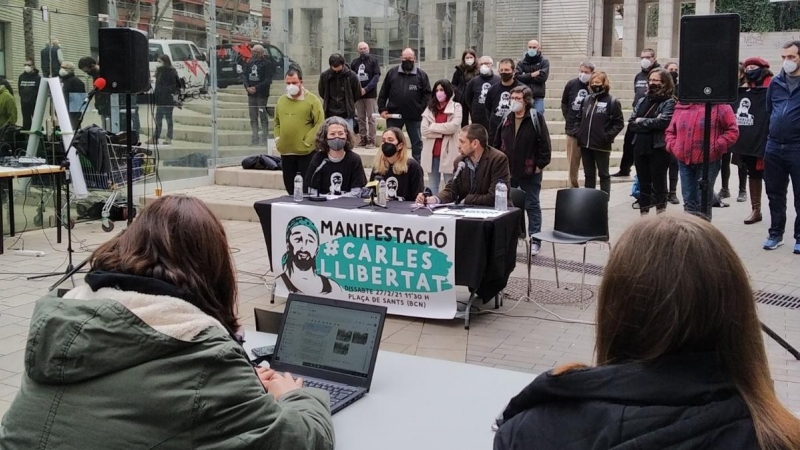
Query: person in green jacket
(145, 355)
(298, 117)
(8, 107)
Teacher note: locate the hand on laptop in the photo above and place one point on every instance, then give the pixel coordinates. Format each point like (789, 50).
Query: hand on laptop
(276, 383)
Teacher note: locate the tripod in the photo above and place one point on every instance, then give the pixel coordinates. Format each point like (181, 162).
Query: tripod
(372, 204)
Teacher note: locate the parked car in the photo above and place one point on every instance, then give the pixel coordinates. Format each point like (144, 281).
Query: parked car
(231, 59)
(188, 60)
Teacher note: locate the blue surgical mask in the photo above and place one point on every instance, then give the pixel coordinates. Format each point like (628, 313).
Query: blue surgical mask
(532, 52)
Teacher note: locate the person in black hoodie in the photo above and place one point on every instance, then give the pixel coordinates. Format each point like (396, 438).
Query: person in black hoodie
(575, 91)
(257, 79)
(649, 63)
(649, 121)
(498, 99)
(524, 138)
(339, 89)
(406, 91)
(533, 71)
(477, 89)
(680, 358)
(70, 84)
(167, 88)
(599, 122)
(28, 86)
(368, 71)
(465, 72)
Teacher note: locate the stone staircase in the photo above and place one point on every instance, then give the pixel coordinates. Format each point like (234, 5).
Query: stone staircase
(193, 132)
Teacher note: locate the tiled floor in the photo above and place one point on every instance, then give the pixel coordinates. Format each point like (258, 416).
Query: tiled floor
(531, 341)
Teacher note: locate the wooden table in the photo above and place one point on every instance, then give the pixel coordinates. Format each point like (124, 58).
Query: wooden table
(8, 174)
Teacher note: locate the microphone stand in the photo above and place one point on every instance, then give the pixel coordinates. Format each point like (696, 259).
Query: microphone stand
(317, 197)
(372, 203)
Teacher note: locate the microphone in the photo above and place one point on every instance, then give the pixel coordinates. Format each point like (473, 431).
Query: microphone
(461, 165)
(459, 168)
(318, 197)
(100, 83)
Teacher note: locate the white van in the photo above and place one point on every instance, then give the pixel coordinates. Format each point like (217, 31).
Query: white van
(188, 60)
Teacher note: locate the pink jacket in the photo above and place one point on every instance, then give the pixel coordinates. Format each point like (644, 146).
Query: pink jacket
(685, 133)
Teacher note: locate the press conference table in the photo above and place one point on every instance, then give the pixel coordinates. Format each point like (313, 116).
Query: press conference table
(422, 403)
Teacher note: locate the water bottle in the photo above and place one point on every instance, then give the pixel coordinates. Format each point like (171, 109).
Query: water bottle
(501, 197)
(383, 192)
(298, 187)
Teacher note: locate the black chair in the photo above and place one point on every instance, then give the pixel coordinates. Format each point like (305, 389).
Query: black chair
(518, 200)
(581, 217)
(268, 321)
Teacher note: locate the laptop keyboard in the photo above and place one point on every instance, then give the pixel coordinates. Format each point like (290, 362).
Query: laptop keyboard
(337, 392)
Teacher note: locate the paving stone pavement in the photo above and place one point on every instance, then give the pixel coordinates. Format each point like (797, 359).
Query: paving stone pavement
(530, 341)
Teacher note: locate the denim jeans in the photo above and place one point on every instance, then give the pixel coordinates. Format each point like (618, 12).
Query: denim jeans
(163, 113)
(691, 174)
(782, 163)
(532, 187)
(538, 105)
(414, 130)
(435, 176)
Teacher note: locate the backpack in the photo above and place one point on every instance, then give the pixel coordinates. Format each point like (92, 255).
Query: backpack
(261, 162)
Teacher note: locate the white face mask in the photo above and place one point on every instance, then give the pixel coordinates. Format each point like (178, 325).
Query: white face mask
(516, 106)
(469, 61)
(292, 90)
(646, 63)
(159, 64)
(584, 77)
(485, 70)
(789, 66)
(63, 72)
(28, 69)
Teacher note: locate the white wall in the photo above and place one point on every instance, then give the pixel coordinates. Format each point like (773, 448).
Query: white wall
(766, 45)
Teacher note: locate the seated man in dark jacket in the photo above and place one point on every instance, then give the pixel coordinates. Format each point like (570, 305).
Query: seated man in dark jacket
(526, 143)
(482, 166)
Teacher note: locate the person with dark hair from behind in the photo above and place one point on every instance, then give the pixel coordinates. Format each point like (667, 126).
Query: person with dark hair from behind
(149, 348)
(526, 144)
(483, 168)
(680, 358)
(466, 71)
(167, 88)
(339, 89)
(335, 168)
(651, 117)
(393, 162)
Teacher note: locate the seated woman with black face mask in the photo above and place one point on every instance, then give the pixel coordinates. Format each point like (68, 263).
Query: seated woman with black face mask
(403, 174)
(335, 168)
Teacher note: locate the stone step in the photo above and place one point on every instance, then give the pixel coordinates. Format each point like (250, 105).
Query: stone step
(223, 123)
(202, 134)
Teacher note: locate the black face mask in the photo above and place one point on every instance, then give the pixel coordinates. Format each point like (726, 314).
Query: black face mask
(506, 76)
(598, 89)
(653, 88)
(408, 66)
(94, 72)
(754, 74)
(388, 149)
(674, 76)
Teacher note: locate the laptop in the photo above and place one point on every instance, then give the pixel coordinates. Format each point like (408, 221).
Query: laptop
(331, 344)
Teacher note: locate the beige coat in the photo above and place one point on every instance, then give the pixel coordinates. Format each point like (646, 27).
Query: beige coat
(448, 131)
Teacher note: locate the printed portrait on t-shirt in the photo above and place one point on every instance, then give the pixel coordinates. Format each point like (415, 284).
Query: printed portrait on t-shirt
(336, 183)
(576, 104)
(504, 106)
(391, 187)
(743, 116)
(484, 90)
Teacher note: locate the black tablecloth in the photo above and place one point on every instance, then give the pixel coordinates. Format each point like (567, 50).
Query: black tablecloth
(486, 249)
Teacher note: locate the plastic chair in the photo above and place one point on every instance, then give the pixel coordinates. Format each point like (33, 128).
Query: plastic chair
(518, 200)
(268, 321)
(581, 217)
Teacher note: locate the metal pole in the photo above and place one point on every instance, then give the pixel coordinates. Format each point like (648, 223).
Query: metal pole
(211, 42)
(112, 23)
(705, 205)
(129, 145)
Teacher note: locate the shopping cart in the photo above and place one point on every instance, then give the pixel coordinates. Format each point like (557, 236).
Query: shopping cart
(113, 176)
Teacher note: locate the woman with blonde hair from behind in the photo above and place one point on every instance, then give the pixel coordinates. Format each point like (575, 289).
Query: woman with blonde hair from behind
(681, 362)
(403, 174)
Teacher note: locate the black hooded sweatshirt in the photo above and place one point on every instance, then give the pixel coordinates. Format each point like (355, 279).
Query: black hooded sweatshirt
(680, 402)
(28, 85)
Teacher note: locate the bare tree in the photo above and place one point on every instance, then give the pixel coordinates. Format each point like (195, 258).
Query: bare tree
(159, 8)
(27, 25)
(135, 15)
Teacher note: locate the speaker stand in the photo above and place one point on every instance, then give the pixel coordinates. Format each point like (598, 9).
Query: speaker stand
(705, 204)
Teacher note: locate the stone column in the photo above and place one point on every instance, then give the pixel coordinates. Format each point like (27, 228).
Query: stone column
(489, 29)
(630, 29)
(666, 17)
(705, 7)
(599, 28)
(430, 24)
(460, 30)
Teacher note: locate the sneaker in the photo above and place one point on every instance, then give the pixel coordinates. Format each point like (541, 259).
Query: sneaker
(724, 193)
(674, 199)
(536, 248)
(796, 250)
(742, 197)
(370, 145)
(774, 242)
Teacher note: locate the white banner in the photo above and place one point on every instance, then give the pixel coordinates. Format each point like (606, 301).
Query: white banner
(403, 262)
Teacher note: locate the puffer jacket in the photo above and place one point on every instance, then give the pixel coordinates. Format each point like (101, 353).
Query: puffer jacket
(125, 362)
(685, 132)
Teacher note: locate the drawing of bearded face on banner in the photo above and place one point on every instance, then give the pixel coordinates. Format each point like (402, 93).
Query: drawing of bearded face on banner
(300, 260)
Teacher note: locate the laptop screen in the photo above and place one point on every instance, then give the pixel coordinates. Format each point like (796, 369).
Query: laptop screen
(328, 338)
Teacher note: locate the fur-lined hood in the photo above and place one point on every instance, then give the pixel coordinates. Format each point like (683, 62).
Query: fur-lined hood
(91, 333)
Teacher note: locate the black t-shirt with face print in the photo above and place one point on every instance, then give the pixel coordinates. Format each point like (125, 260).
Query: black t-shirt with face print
(336, 178)
(404, 186)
